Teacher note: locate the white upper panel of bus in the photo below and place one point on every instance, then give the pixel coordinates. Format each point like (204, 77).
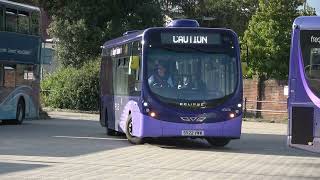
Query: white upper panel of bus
(19, 5)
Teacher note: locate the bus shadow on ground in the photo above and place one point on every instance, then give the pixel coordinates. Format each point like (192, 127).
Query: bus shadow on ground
(57, 138)
(6, 168)
(67, 138)
(263, 144)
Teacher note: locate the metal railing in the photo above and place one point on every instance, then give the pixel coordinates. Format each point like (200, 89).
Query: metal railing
(259, 110)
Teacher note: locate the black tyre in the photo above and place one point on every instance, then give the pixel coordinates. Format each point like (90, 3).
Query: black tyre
(218, 142)
(20, 112)
(129, 128)
(110, 132)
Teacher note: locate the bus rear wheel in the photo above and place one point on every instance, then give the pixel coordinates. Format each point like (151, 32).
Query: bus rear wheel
(129, 129)
(20, 114)
(218, 142)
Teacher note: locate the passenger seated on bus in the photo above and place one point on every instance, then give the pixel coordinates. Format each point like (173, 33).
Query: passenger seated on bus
(197, 83)
(161, 77)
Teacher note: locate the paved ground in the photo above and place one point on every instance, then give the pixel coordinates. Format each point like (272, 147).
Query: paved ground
(74, 146)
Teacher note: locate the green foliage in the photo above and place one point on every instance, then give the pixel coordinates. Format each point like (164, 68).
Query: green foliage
(233, 14)
(71, 88)
(307, 11)
(82, 26)
(268, 38)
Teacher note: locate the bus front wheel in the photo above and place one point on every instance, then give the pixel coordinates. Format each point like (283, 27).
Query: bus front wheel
(129, 129)
(218, 142)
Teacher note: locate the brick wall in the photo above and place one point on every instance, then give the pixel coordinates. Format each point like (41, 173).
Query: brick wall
(272, 93)
(250, 91)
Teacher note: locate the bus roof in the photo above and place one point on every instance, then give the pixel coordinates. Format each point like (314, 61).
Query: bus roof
(136, 35)
(307, 23)
(123, 39)
(20, 6)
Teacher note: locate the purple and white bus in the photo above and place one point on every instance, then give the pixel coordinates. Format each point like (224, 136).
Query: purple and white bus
(174, 81)
(304, 85)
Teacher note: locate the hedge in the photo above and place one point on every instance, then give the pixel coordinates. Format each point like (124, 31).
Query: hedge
(71, 88)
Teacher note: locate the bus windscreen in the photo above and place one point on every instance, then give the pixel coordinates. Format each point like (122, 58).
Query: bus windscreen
(192, 72)
(310, 46)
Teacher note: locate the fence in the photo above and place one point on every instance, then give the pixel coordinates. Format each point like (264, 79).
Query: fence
(258, 111)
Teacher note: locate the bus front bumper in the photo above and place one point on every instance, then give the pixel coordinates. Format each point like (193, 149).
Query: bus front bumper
(150, 127)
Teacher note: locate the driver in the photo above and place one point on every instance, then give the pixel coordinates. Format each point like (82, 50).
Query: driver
(161, 77)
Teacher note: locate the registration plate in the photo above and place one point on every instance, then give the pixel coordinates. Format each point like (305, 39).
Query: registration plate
(192, 133)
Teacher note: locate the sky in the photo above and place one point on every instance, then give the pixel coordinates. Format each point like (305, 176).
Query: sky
(315, 4)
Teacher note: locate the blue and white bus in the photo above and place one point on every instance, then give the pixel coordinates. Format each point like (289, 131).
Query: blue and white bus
(304, 85)
(176, 81)
(20, 47)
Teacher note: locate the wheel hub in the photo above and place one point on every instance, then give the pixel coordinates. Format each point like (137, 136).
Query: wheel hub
(130, 128)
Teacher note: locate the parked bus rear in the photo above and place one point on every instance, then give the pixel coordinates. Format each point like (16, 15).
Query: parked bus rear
(304, 85)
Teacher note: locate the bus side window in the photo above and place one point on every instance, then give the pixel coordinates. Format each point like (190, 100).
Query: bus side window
(24, 74)
(10, 76)
(136, 52)
(11, 20)
(1, 19)
(1, 75)
(134, 81)
(114, 75)
(23, 22)
(35, 27)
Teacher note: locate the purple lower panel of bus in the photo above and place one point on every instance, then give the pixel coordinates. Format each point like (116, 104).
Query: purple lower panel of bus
(146, 126)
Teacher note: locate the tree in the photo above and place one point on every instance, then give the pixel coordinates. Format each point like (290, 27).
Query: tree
(82, 26)
(268, 38)
(233, 14)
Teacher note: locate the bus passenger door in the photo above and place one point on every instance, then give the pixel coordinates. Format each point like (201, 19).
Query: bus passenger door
(121, 91)
(119, 88)
(106, 92)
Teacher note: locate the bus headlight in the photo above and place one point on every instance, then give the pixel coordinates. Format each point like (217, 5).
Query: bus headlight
(233, 111)
(147, 110)
(232, 115)
(152, 114)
